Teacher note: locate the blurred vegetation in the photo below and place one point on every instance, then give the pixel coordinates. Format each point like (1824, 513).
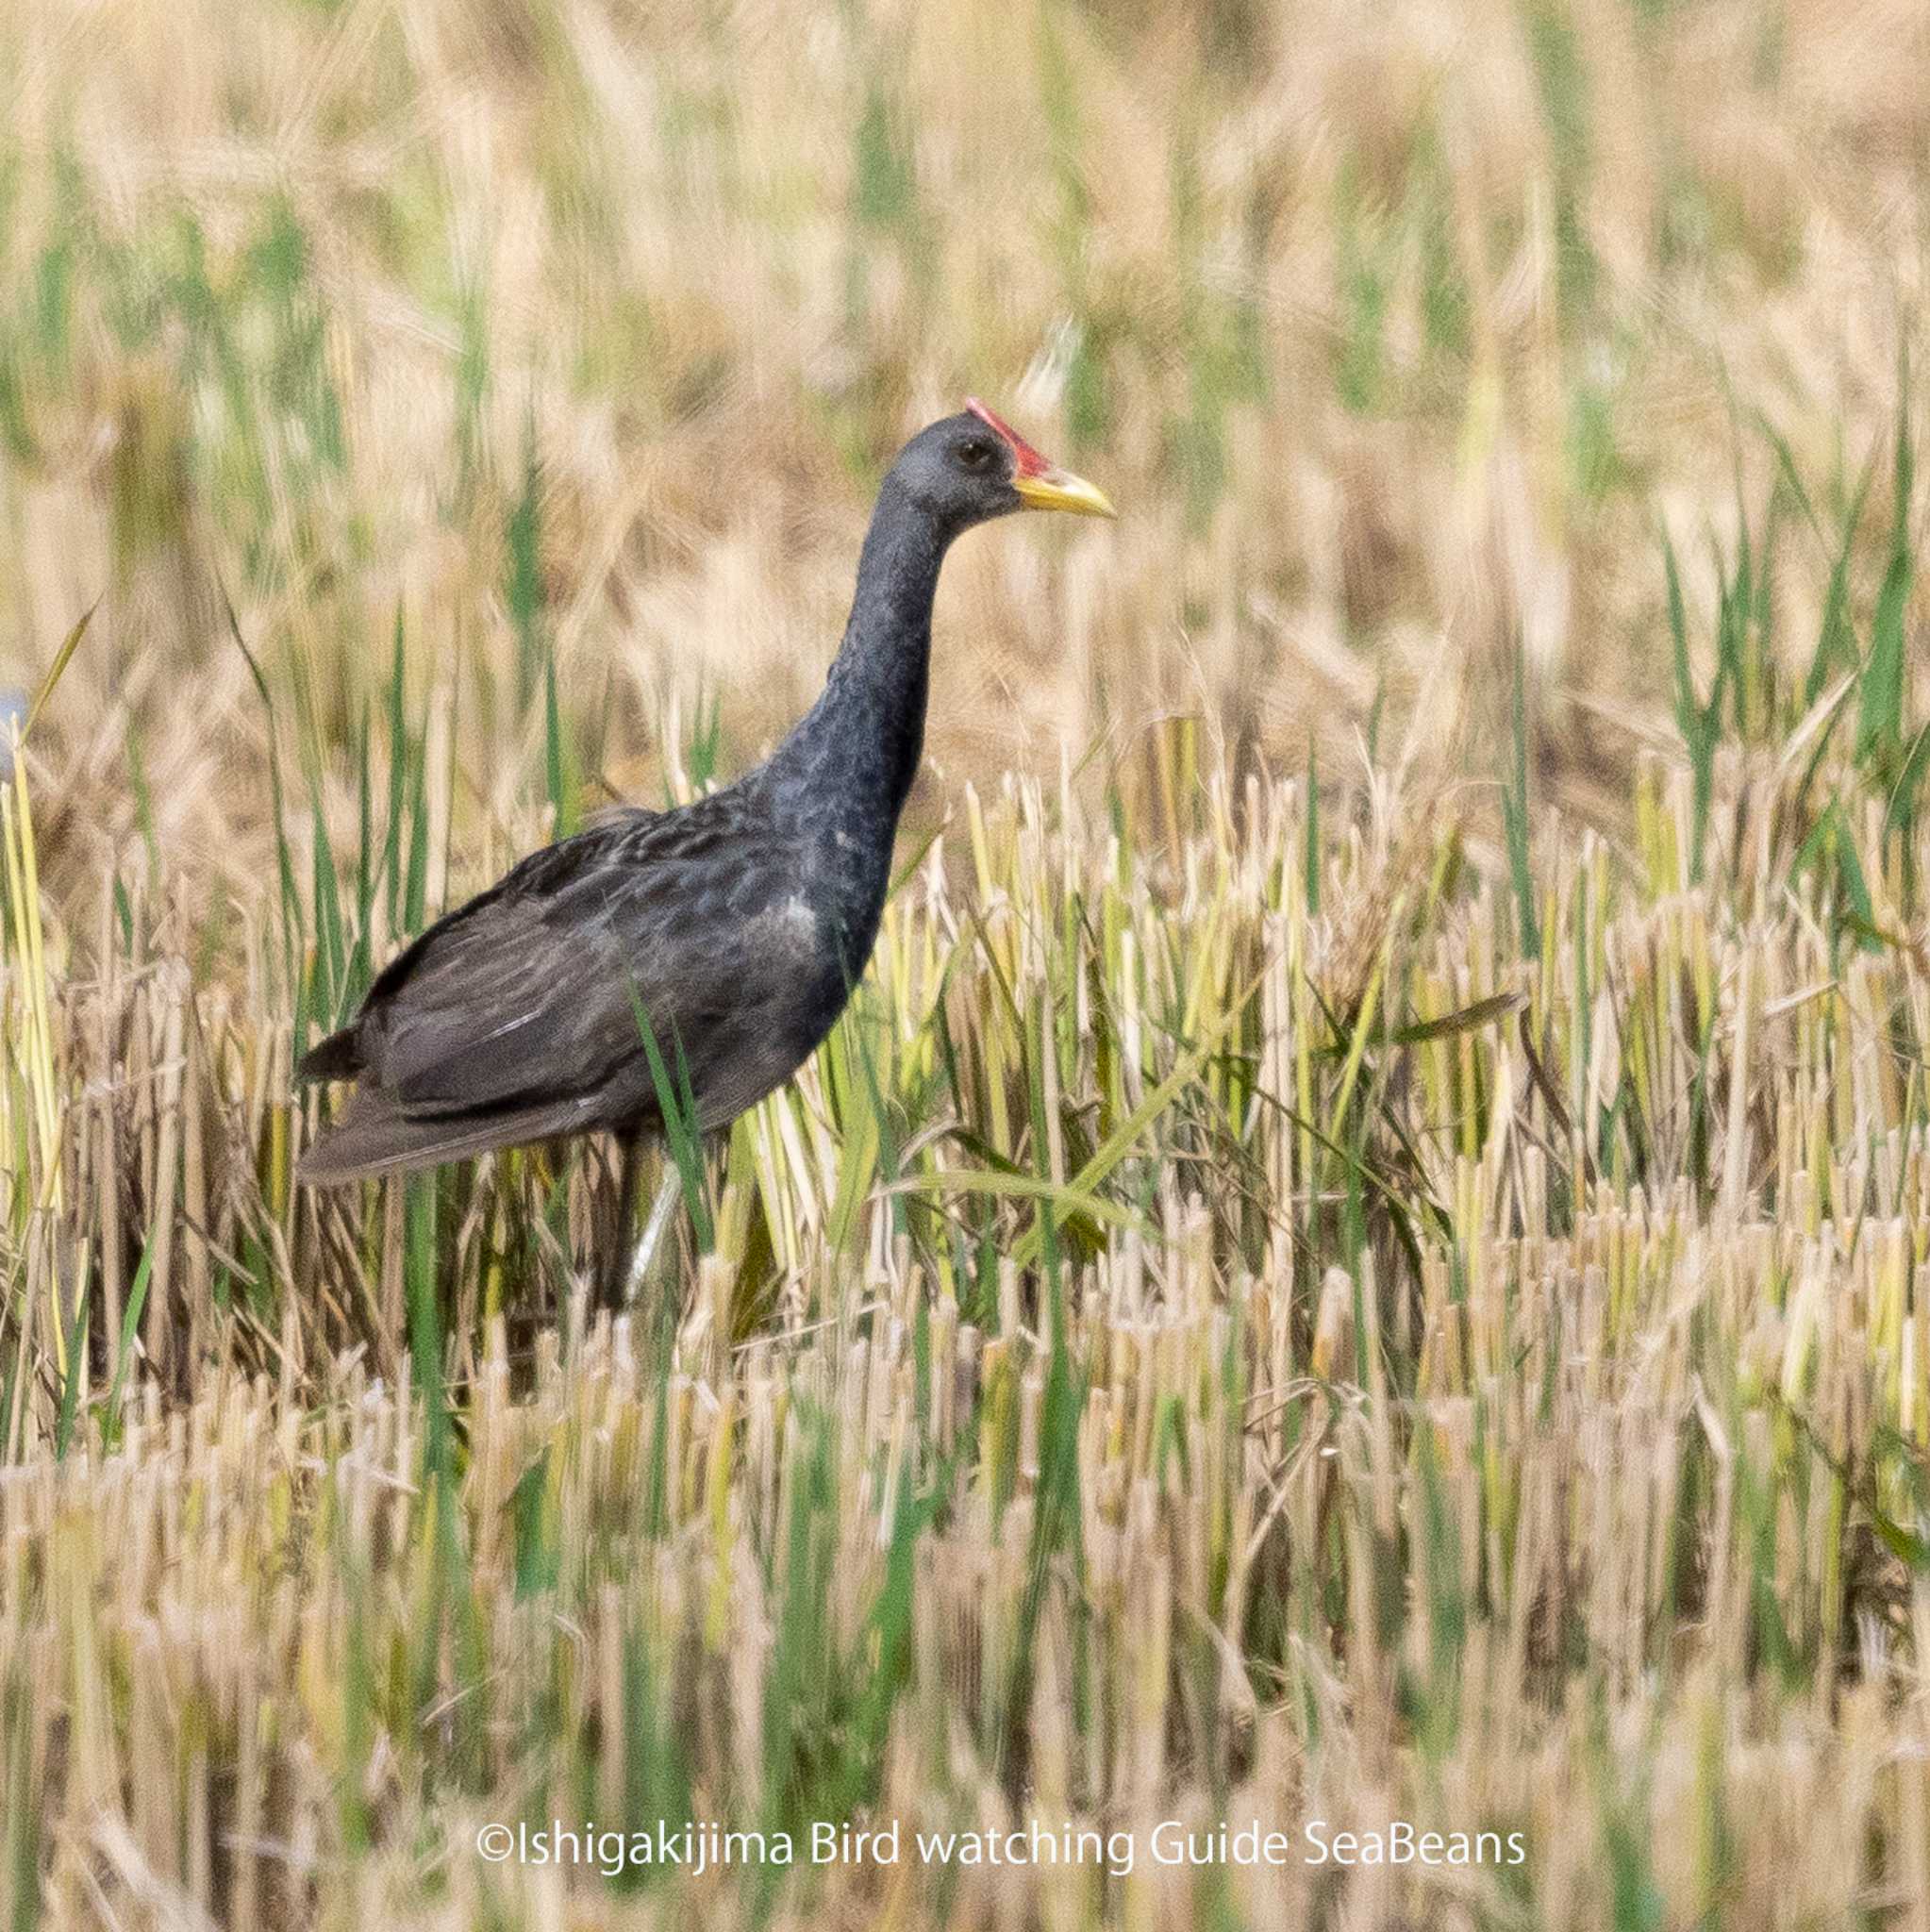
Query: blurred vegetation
(564, 328)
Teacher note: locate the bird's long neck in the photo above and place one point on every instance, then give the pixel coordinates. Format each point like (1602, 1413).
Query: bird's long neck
(856, 750)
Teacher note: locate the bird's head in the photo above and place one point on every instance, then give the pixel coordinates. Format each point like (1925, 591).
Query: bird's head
(972, 467)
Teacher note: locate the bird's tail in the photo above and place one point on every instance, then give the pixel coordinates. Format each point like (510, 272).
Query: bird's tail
(377, 1136)
(338, 1058)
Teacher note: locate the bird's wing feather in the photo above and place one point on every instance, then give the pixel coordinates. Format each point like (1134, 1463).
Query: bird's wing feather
(516, 1017)
(510, 1008)
(530, 994)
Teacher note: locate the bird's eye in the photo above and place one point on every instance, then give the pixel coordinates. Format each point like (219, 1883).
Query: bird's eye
(975, 455)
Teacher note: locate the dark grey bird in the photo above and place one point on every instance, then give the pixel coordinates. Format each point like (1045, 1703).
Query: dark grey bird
(733, 928)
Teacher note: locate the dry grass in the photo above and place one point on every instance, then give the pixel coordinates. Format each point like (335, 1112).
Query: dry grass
(1287, 1298)
(1251, 1420)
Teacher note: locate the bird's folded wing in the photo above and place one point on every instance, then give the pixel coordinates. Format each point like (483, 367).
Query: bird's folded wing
(508, 1007)
(522, 1014)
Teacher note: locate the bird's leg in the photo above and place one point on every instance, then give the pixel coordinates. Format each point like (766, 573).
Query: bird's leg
(661, 1210)
(611, 1276)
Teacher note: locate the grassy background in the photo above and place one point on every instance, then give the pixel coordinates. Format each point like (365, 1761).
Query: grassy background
(1365, 1252)
(589, 328)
